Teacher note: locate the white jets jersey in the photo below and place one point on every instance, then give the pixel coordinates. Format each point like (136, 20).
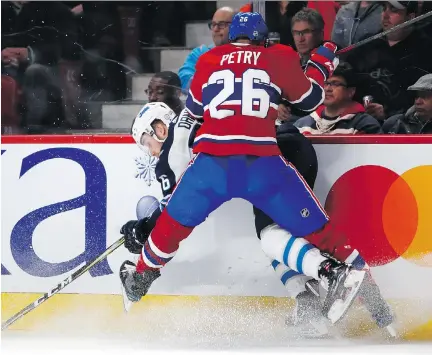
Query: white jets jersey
(176, 151)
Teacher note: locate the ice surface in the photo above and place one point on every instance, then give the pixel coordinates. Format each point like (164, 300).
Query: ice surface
(202, 326)
(23, 342)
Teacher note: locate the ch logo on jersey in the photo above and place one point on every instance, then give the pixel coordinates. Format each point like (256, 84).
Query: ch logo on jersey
(330, 65)
(146, 168)
(305, 213)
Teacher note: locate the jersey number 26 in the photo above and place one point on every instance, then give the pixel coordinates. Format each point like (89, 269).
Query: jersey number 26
(254, 101)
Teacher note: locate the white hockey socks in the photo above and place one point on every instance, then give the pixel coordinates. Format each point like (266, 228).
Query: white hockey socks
(296, 253)
(294, 282)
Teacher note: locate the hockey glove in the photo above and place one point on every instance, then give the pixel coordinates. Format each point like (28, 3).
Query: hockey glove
(136, 233)
(324, 59)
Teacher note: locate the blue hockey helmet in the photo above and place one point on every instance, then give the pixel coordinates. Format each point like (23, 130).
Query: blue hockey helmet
(250, 25)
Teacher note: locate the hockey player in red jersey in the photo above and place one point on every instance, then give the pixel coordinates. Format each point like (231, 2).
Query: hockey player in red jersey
(236, 90)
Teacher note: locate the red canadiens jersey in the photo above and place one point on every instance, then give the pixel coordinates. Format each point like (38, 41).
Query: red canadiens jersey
(236, 91)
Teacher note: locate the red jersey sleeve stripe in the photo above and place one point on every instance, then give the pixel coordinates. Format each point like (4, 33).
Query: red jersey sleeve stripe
(311, 99)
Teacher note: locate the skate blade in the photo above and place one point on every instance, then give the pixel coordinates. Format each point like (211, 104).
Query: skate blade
(339, 308)
(127, 304)
(318, 329)
(392, 332)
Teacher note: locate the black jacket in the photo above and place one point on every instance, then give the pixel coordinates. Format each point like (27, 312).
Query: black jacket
(386, 72)
(407, 123)
(276, 22)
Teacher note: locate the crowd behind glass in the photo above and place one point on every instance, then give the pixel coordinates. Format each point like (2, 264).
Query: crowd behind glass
(61, 60)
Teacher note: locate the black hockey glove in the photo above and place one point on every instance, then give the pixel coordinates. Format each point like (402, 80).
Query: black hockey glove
(136, 233)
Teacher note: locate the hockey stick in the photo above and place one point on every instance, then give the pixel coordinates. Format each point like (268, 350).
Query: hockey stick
(62, 284)
(385, 33)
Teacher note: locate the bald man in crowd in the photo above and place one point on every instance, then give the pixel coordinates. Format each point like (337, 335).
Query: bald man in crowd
(219, 27)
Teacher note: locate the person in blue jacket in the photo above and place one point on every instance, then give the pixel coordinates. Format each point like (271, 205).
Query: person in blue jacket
(219, 27)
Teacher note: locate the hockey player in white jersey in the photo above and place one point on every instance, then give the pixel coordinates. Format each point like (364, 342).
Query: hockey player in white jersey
(175, 155)
(158, 131)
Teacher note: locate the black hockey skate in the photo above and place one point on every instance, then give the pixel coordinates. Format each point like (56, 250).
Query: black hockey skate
(343, 284)
(307, 314)
(135, 285)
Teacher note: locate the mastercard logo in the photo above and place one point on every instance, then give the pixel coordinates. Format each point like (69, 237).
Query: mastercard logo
(385, 215)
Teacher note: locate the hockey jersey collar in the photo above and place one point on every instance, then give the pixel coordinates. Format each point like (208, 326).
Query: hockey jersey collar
(240, 44)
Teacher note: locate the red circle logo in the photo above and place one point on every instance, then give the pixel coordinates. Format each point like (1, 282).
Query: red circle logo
(385, 215)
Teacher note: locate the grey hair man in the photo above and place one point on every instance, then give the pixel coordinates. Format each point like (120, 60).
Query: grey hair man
(307, 28)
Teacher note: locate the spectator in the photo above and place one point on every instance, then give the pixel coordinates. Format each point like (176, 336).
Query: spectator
(418, 119)
(278, 16)
(166, 87)
(389, 65)
(307, 29)
(308, 32)
(356, 21)
(220, 28)
(425, 25)
(339, 114)
(328, 11)
(35, 36)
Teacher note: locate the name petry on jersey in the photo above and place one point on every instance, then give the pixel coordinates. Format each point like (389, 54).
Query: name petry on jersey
(236, 90)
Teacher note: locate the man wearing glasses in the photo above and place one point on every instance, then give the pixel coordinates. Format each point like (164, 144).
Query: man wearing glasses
(219, 27)
(307, 28)
(340, 114)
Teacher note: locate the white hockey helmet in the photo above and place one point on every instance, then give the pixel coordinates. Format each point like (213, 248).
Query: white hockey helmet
(148, 114)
